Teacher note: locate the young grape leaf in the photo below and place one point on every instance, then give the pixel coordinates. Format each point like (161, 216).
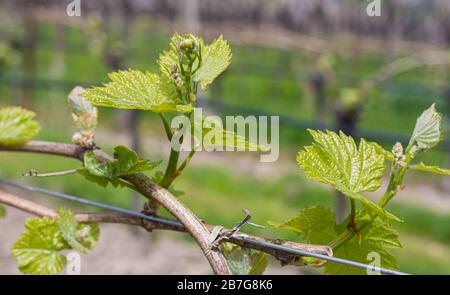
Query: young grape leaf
(96, 168)
(428, 131)
(380, 150)
(37, 249)
(426, 168)
(315, 224)
(101, 181)
(217, 136)
(133, 89)
(370, 206)
(126, 162)
(2, 211)
(17, 125)
(81, 237)
(97, 173)
(244, 261)
(259, 263)
(216, 57)
(378, 238)
(109, 172)
(336, 160)
(169, 57)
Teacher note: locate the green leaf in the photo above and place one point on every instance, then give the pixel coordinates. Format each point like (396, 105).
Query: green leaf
(378, 237)
(216, 57)
(336, 160)
(231, 139)
(2, 211)
(102, 181)
(17, 125)
(259, 263)
(96, 168)
(133, 89)
(37, 249)
(315, 224)
(433, 169)
(224, 138)
(96, 172)
(169, 57)
(126, 162)
(428, 131)
(81, 237)
(370, 206)
(244, 261)
(380, 150)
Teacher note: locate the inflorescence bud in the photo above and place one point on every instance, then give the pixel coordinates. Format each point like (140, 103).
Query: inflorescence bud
(83, 233)
(399, 157)
(188, 44)
(84, 115)
(175, 75)
(188, 48)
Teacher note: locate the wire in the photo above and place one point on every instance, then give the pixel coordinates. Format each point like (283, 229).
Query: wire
(30, 188)
(325, 257)
(175, 223)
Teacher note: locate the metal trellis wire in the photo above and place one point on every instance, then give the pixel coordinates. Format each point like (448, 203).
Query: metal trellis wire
(175, 223)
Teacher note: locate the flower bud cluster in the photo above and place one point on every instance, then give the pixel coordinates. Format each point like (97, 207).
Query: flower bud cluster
(188, 46)
(175, 75)
(85, 116)
(399, 157)
(84, 139)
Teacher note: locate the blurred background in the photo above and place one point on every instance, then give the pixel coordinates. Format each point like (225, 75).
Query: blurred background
(316, 64)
